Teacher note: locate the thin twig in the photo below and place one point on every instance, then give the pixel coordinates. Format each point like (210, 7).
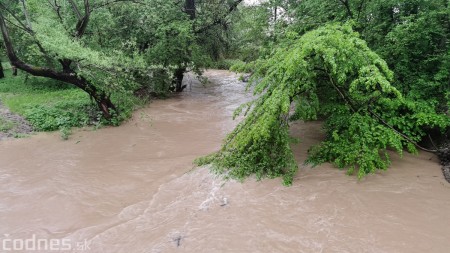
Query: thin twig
(341, 94)
(401, 134)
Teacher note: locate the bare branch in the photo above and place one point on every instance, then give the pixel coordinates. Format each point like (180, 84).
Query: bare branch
(27, 16)
(75, 9)
(348, 102)
(360, 7)
(14, 59)
(401, 134)
(16, 18)
(57, 9)
(17, 26)
(83, 23)
(347, 7)
(25, 28)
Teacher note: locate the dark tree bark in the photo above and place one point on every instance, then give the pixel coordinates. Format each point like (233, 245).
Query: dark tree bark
(68, 75)
(1, 70)
(347, 8)
(178, 79)
(190, 8)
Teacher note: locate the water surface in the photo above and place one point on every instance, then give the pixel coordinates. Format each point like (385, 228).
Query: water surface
(134, 189)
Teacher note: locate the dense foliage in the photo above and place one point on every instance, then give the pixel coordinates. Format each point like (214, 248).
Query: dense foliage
(311, 59)
(329, 71)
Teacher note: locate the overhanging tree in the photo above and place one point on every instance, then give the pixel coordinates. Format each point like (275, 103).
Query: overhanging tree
(328, 73)
(52, 36)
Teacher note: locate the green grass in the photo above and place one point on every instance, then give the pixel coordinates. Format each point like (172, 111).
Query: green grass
(47, 104)
(50, 105)
(21, 102)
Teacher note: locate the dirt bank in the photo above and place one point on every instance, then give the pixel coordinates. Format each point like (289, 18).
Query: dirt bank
(12, 125)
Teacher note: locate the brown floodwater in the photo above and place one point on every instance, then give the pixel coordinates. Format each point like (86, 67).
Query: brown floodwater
(134, 189)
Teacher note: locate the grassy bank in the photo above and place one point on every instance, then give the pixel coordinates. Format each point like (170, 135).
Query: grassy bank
(49, 105)
(46, 104)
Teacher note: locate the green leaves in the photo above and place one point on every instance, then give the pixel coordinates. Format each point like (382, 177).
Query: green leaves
(359, 144)
(328, 73)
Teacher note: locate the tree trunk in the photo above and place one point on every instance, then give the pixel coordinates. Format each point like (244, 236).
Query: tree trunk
(103, 101)
(178, 79)
(105, 104)
(189, 8)
(1, 70)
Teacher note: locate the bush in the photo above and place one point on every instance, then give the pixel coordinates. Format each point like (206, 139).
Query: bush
(56, 116)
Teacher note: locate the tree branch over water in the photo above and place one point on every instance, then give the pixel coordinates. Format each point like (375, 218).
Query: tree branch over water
(220, 19)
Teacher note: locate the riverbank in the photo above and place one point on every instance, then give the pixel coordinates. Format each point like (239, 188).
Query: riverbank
(12, 125)
(444, 157)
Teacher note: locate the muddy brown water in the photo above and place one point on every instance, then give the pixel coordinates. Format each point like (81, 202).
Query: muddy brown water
(132, 189)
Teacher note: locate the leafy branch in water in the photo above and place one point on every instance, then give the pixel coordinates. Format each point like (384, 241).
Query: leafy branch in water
(328, 73)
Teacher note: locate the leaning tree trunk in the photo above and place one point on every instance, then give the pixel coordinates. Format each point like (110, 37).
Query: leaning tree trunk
(102, 100)
(105, 104)
(67, 75)
(1, 70)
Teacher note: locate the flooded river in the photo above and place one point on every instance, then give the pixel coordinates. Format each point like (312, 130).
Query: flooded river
(134, 189)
